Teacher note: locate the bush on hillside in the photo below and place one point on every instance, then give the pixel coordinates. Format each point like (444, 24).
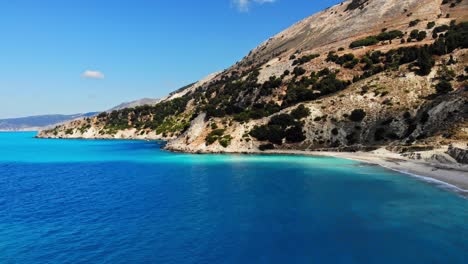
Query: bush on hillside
(369, 41)
(268, 146)
(300, 112)
(357, 115)
(444, 87)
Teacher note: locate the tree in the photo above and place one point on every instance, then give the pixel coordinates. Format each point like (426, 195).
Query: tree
(414, 22)
(421, 35)
(414, 34)
(276, 134)
(424, 61)
(431, 25)
(268, 146)
(369, 41)
(295, 134)
(300, 112)
(298, 71)
(444, 87)
(357, 115)
(282, 120)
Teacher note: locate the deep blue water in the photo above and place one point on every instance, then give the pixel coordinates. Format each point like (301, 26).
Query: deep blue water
(130, 202)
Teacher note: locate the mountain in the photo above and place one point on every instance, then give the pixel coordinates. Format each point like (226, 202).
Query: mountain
(140, 102)
(32, 123)
(361, 75)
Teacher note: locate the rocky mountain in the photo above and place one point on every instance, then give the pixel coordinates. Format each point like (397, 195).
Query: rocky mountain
(33, 123)
(136, 103)
(361, 75)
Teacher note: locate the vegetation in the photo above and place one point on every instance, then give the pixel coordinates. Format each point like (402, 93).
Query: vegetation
(257, 111)
(280, 127)
(268, 146)
(444, 87)
(218, 135)
(372, 40)
(298, 71)
(357, 115)
(424, 61)
(356, 4)
(390, 35)
(430, 25)
(417, 35)
(300, 112)
(414, 22)
(308, 89)
(421, 57)
(369, 41)
(305, 59)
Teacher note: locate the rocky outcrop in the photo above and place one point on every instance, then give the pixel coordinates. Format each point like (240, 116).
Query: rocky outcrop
(460, 155)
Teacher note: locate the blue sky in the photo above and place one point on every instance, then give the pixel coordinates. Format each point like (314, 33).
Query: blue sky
(78, 56)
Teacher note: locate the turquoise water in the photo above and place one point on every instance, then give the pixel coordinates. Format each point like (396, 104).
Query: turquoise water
(82, 201)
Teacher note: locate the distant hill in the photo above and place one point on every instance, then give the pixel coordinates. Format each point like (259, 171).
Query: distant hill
(38, 122)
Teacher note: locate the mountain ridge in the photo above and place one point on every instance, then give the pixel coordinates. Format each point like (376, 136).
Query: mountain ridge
(38, 122)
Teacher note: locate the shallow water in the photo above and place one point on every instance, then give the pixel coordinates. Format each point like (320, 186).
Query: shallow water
(76, 201)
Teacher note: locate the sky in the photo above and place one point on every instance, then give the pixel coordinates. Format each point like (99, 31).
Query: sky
(66, 57)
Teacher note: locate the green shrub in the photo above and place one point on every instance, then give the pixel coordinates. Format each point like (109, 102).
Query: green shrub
(390, 35)
(414, 22)
(305, 59)
(264, 147)
(357, 115)
(282, 120)
(214, 136)
(414, 34)
(444, 87)
(324, 72)
(295, 134)
(441, 29)
(225, 141)
(298, 71)
(421, 35)
(424, 61)
(276, 134)
(282, 126)
(334, 131)
(431, 25)
(369, 41)
(356, 4)
(300, 112)
(260, 133)
(330, 84)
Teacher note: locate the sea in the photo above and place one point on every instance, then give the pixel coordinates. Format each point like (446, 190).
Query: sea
(98, 201)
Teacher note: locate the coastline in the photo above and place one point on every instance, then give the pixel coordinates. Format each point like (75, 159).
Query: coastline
(453, 177)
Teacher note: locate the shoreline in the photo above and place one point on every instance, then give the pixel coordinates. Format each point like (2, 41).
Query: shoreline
(441, 175)
(453, 177)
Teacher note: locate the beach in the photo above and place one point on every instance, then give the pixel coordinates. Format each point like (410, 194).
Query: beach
(452, 176)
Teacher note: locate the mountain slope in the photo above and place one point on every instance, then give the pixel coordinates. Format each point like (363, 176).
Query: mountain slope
(363, 74)
(140, 102)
